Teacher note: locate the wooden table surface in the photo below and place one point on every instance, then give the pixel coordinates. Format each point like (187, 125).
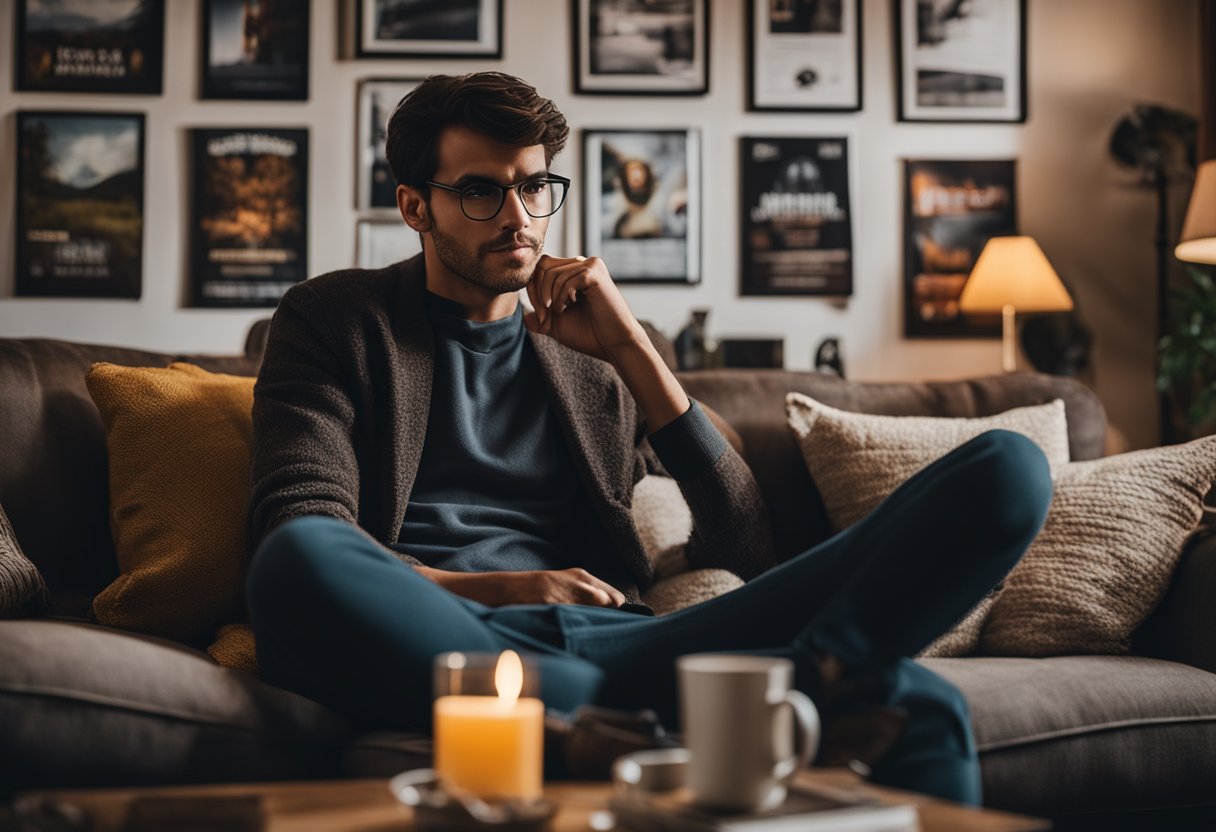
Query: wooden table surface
(367, 805)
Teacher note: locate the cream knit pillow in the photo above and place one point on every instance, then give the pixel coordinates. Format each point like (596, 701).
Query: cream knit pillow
(1104, 559)
(857, 459)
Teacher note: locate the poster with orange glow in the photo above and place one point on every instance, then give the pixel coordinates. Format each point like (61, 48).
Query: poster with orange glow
(250, 225)
(951, 209)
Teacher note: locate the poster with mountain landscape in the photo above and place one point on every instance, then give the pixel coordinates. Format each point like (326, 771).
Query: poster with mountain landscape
(80, 204)
(250, 218)
(103, 46)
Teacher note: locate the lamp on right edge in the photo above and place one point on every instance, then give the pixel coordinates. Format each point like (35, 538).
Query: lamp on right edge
(1012, 275)
(1198, 242)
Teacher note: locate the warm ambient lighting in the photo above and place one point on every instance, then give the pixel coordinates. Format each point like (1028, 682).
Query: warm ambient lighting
(1198, 242)
(508, 679)
(492, 746)
(1012, 275)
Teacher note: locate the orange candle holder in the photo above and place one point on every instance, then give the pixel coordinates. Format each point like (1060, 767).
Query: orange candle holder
(489, 725)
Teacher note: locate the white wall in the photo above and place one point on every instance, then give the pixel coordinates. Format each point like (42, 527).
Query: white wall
(1089, 61)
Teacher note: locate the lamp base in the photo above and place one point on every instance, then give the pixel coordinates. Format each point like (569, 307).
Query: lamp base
(1009, 347)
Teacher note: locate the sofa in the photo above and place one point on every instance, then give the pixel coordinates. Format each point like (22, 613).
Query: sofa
(1077, 738)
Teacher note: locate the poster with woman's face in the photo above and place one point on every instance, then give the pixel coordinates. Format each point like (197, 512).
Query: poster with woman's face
(642, 211)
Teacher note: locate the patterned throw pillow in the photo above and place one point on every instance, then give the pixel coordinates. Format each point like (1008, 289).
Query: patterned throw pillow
(22, 590)
(857, 459)
(1116, 529)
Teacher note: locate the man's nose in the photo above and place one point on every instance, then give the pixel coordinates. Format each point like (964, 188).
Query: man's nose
(513, 213)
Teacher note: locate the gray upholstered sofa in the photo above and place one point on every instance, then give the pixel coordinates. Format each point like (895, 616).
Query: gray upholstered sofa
(84, 705)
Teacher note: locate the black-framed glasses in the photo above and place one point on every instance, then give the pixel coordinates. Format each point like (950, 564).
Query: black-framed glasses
(481, 201)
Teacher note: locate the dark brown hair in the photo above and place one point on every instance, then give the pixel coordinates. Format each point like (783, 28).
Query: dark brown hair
(501, 106)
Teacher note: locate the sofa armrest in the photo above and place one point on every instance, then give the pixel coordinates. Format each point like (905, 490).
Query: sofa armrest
(1188, 614)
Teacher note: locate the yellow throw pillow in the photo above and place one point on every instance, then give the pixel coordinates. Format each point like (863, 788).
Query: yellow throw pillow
(234, 648)
(179, 441)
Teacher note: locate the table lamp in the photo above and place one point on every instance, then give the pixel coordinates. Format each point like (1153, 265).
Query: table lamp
(1012, 275)
(1198, 242)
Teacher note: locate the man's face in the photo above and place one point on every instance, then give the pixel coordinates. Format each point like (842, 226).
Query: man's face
(497, 255)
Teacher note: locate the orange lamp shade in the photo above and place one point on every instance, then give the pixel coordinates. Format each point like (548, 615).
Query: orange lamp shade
(1198, 242)
(1013, 271)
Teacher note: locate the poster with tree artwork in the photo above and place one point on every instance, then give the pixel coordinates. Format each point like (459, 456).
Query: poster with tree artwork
(250, 226)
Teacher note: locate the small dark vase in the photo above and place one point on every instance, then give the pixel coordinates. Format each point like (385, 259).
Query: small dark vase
(1057, 344)
(690, 343)
(827, 357)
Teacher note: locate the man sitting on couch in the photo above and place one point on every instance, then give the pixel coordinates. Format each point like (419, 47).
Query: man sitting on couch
(435, 470)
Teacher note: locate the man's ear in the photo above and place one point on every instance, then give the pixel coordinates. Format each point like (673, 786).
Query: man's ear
(413, 208)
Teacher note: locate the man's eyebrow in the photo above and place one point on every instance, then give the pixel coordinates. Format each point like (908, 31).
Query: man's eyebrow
(470, 178)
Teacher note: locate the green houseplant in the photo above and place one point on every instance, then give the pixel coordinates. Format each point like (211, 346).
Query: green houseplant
(1186, 371)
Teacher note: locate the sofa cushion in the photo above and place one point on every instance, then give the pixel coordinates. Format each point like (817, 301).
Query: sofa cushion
(179, 442)
(22, 590)
(1105, 556)
(1078, 733)
(83, 705)
(386, 753)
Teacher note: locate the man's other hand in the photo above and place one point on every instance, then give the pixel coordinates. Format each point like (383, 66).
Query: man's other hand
(565, 586)
(575, 302)
(496, 589)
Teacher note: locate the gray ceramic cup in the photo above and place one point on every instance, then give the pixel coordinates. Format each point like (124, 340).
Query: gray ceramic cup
(747, 730)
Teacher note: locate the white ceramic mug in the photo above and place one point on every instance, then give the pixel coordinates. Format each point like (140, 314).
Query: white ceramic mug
(739, 714)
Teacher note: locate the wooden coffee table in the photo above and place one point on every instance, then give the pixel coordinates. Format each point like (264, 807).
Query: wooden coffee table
(366, 805)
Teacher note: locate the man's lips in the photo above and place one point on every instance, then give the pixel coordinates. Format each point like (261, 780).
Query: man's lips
(517, 245)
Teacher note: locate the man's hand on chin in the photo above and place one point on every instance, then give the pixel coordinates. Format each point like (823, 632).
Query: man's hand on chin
(576, 303)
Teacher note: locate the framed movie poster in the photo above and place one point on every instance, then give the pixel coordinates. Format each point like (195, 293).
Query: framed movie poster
(804, 55)
(951, 209)
(80, 204)
(255, 49)
(796, 222)
(638, 47)
(375, 187)
(380, 243)
(642, 209)
(112, 47)
(961, 62)
(411, 29)
(249, 236)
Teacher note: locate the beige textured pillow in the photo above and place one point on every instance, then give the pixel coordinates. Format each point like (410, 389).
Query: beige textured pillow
(857, 459)
(664, 523)
(1105, 557)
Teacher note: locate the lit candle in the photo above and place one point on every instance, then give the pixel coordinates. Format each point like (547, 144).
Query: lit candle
(492, 746)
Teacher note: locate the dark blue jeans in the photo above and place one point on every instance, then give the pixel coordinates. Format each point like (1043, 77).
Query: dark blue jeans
(341, 620)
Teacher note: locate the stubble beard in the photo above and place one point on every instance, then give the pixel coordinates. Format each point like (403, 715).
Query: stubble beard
(471, 266)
